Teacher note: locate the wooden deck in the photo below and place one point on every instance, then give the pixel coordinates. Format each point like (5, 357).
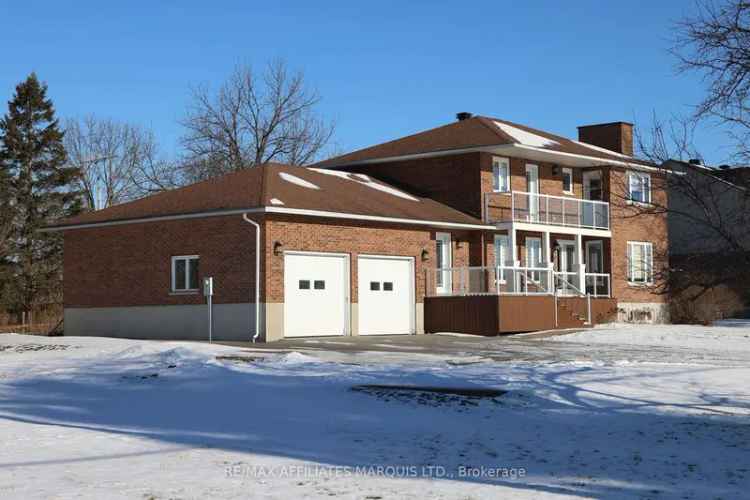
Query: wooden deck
(491, 315)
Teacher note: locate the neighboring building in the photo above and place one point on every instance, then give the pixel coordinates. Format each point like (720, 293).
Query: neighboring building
(709, 235)
(481, 226)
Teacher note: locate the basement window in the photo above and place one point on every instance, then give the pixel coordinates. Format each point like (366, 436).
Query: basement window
(185, 273)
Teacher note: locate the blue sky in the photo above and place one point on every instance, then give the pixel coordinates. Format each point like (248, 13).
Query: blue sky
(384, 69)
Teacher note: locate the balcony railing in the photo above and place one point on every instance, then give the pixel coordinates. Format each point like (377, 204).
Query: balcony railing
(546, 209)
(509, 280)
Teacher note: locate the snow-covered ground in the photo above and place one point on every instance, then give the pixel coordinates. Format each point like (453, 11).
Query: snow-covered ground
(646, 412)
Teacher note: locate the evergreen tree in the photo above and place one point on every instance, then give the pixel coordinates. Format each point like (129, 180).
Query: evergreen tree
(39, 191)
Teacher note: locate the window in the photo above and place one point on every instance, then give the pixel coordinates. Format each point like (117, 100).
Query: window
(319, 285)
(640, 262)
(387, 286)
(502, 254)
(500, 175)
(443, 262)
(374, 286)
(567, 180)
(185, 273)
(639, 187)
(304, 284)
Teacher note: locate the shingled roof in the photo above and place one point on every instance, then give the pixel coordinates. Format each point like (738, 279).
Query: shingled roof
(478, 132)
(281, 188)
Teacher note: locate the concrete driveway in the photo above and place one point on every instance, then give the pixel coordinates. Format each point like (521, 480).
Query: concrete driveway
(538, 347)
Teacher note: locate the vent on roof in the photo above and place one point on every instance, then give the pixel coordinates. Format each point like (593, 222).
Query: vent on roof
(695, 161)
(463, 115)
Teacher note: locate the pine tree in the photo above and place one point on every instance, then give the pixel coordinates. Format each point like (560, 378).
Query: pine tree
(40, 189)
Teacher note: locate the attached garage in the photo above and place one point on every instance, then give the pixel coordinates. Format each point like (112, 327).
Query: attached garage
(386, 295)
(316, 294)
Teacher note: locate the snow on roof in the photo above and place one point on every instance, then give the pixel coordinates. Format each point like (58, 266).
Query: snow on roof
(366, 181)
(296, 180)
(276, 201)
(600, 150)
(524, 137)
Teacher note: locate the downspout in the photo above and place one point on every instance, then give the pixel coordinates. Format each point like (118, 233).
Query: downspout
(257, 275)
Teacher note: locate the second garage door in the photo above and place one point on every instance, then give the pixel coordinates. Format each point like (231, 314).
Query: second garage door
(386, 295)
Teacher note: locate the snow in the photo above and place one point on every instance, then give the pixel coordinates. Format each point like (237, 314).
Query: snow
(619, 411)
(722, 338)
(298, 181)
(366, 181)
(526, 138)
(276, 201)
(602, 150)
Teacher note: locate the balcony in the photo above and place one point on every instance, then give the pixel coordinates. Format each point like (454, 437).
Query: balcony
(533, 208)
(508, 280)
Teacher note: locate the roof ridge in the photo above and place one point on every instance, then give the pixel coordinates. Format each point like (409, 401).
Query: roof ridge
(484, 121)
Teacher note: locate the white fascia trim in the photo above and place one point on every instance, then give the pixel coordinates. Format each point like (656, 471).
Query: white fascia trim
(377, 218)
(548, 228)
(274, 210)
(503, 149)
(443, 152)
(603, 161)
(140, 220)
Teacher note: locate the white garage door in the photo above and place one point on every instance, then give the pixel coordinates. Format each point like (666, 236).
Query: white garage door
(316, 297)
(386, 295)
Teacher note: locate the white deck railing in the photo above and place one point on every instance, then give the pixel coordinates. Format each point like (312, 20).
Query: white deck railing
(510, 280)
(547, 209)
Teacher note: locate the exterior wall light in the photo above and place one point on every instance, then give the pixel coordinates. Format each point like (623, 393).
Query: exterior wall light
(425, 256)
(278, 248)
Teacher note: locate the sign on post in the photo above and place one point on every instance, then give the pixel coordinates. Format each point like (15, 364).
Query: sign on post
(208, 292)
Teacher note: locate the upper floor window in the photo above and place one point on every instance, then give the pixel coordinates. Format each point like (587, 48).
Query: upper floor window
(500, 174)
(640, 262)
(185, 273)
(639, 187)
(567, 180)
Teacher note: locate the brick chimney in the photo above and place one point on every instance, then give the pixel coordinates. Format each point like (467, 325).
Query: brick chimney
(615, 136)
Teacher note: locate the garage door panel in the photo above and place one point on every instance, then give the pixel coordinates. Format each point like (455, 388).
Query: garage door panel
(386, 295)
(315, 294)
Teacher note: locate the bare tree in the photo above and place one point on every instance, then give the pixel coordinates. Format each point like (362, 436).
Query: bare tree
(715, 43)
(254, 119)
(118, 161)
(708, 215)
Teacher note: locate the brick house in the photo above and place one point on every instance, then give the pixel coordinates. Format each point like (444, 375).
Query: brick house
(479, 226)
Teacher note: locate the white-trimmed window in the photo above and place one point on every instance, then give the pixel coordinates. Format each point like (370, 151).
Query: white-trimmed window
(640, 262)
(502, 255)
(500, 174)
(639, 187)
(185, 273)
(567, 180)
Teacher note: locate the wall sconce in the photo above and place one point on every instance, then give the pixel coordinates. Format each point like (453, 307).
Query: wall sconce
(425, 256)
(278, 248)
(459, 244)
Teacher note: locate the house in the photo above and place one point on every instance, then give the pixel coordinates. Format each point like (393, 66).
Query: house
(709, 226)
(479, 226)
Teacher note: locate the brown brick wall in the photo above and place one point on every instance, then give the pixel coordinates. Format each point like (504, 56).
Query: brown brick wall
(354, 238)
(453, 180)
(130, 264)
(630, 223)
(549, 183)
